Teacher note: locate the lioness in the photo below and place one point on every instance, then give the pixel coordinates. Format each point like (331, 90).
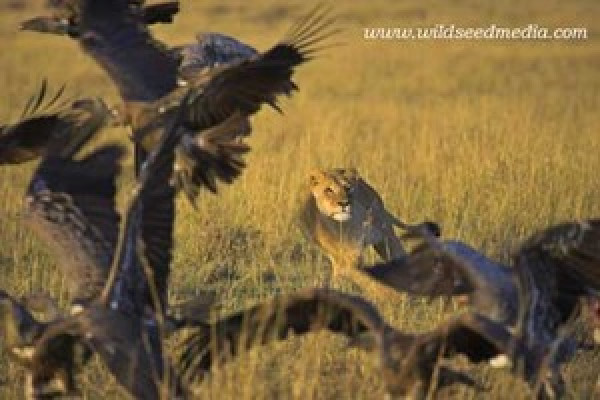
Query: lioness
(344, 215)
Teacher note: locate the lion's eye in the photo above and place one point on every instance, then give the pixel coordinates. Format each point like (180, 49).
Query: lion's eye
(328, 190)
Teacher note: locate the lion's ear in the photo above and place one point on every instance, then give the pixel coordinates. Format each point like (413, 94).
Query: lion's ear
(316, 176)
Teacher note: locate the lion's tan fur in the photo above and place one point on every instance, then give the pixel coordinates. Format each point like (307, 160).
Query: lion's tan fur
(369, 224)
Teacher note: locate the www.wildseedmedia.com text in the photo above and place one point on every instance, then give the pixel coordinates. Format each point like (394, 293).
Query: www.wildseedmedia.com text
(491, 32)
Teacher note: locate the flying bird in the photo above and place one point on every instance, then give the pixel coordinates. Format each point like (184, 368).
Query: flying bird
(116, 37)
(118, 307)
(117, 268)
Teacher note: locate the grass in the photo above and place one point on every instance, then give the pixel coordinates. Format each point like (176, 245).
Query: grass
(492, 139)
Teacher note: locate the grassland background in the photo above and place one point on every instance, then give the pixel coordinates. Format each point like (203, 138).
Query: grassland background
(492, 139)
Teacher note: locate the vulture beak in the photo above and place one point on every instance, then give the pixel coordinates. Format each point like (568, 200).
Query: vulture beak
(54, 25)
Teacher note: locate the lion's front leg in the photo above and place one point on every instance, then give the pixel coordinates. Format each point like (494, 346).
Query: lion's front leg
(343, 266)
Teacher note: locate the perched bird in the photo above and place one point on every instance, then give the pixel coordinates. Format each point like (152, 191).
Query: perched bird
(538, 297)
(115, 36)
(410, 362)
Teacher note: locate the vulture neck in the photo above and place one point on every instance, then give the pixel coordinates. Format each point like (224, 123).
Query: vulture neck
(121, 44)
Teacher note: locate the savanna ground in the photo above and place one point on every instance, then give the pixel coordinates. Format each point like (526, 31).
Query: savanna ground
(492, 139)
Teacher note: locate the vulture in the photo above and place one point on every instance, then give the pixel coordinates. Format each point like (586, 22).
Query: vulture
(70, 203)
(118, 276)
(117, 266)
(411, 364)
(538, 297)
(122, 273)
(522, 314)
(151, 78)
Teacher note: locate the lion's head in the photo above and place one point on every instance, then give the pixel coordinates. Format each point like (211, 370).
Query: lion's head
(333, 190)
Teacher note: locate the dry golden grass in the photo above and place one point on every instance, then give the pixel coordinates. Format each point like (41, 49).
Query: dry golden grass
(492, 139)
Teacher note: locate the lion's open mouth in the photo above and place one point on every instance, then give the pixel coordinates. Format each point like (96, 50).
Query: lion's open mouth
(341, 216)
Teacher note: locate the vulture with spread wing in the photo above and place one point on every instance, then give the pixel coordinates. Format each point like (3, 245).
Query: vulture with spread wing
(151, 78)
(123, 322)
(411, 363)
(118, 277)
(523, 314)
(537, 298)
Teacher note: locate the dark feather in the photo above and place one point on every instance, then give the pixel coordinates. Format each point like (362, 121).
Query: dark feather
(538, 298)
(407, 360)
(18, 328)
(117, 326)
(20, 332)
(300, 313)
(71, 204)
(424, 272)
(245, 86)
(140, 269)
(56, 25)
(224, 96)
(209, 51)
(66, 20)
(573, 249)
(130, 348)
(162, 13)
(214, 154)
(51, 127)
